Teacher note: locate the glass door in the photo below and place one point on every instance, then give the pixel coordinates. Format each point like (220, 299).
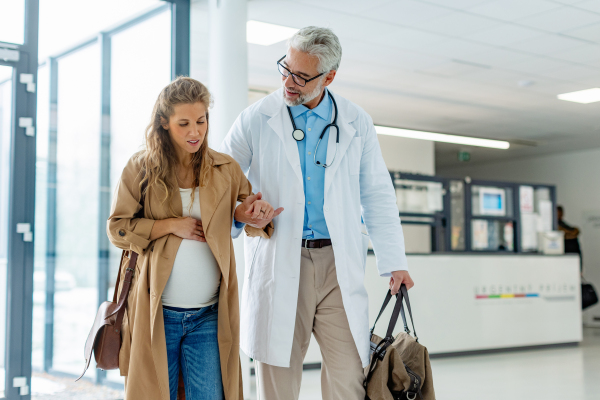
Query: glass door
(6, 74)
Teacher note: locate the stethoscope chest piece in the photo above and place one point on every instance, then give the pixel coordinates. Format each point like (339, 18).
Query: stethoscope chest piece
(298, 134)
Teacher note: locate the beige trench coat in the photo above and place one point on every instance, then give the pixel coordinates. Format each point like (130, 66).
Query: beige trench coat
(143, 355)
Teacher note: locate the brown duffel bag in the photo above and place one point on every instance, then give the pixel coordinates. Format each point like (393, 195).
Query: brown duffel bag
(400, 367)
(105, 337)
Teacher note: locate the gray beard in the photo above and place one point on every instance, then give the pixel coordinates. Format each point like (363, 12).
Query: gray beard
(304, 98)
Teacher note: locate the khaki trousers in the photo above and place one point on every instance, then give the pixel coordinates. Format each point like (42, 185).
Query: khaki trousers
(320, 311)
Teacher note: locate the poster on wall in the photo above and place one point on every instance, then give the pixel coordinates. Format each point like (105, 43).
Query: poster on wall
(526, 199)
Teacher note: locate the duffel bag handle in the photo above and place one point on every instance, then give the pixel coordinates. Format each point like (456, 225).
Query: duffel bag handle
(404, 292)
(398, 311)
(388, 297)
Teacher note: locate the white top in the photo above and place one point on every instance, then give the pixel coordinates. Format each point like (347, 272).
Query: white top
(196, 276)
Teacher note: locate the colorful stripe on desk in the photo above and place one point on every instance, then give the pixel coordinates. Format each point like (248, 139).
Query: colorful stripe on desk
(506, 295)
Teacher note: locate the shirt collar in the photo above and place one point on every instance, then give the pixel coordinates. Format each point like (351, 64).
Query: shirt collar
(322, 110)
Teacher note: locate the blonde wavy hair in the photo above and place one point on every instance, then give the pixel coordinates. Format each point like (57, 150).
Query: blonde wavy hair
(160, 159)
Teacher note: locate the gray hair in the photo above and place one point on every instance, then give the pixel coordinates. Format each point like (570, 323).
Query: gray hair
(319, 42)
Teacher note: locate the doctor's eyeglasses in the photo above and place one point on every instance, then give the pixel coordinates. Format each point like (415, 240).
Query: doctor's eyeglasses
(297, 79)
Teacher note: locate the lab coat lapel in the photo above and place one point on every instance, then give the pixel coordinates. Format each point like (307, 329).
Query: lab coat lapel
(281, 124)
(347, 132)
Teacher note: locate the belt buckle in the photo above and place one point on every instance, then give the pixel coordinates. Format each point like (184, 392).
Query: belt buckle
(306, 244)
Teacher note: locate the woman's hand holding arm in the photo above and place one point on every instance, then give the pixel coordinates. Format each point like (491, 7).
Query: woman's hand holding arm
(256, 212)
(186, 228)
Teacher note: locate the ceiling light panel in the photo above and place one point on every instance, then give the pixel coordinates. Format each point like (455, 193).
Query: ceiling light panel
(266, 34)
(442, 137)
(582, 96)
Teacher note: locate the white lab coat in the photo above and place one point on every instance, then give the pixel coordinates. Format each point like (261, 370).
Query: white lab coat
(357, 183)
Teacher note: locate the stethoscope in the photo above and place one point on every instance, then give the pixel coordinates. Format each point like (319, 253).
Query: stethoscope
(299, 135)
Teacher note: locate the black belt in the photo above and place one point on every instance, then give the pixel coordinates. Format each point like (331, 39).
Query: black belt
(179, 309)
(316, 243)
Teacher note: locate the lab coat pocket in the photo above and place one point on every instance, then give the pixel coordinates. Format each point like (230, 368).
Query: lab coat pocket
(353, 155)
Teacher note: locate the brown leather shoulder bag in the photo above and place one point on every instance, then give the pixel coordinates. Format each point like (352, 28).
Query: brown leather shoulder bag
(105, 337)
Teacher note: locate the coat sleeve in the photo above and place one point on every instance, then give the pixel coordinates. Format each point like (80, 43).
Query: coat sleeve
(245, 190)
(125, 230)
(238, 143)
(379, 209)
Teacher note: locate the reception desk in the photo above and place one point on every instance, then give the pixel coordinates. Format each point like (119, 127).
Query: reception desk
(479, 302)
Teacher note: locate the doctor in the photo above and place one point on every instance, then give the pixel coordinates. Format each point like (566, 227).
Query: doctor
(317, 155)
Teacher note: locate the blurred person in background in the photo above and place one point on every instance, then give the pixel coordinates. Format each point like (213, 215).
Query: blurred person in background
(183, 307)
(316, 154)
(571, 236)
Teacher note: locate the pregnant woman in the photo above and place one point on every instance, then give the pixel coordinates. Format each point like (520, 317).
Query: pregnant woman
(175, 206)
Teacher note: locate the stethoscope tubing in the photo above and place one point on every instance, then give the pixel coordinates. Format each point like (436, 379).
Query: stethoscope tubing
(299, 137)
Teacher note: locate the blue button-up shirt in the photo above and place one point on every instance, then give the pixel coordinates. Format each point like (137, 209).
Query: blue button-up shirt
(312, 122)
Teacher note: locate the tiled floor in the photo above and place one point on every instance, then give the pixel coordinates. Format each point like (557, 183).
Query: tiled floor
(571, 373)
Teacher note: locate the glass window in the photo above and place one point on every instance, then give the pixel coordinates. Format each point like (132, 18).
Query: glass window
(12, 22)
(146, 49)
(62, 25)
(77, 194)
(5, 141)
(199, 31)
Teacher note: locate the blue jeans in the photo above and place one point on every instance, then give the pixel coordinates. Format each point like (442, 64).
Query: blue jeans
(192, 346)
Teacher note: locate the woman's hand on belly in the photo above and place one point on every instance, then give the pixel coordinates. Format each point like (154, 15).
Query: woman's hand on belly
(188, 228)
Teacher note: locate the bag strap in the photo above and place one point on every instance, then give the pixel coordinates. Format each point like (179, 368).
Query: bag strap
(398, 311)
(395, 315)
(130, 269)
(404, 292)
(120, 310)
(118, 277)
(388, 297)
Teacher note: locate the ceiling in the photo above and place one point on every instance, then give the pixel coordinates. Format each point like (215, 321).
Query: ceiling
(485, 68)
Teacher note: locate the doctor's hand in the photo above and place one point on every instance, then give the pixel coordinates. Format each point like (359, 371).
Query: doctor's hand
(398, 278)
(256, 212)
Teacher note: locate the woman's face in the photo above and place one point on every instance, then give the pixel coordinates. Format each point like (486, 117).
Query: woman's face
(187, 127)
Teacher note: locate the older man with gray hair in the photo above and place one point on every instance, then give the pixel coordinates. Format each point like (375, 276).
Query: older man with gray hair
(316, 154)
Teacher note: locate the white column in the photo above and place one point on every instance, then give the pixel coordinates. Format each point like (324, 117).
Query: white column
(228, 65)
(228, 83)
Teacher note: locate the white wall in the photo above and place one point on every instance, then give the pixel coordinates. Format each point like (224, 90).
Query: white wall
(408, 155)
(576, 176)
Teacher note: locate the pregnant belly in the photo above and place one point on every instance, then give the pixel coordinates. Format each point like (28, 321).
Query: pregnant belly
(195, 278)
